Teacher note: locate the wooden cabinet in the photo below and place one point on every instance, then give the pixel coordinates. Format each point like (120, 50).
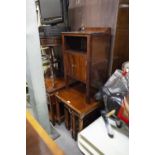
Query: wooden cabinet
(86, 56)
(120, 49)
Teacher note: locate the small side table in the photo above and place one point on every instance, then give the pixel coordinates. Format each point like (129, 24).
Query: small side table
(78, 112)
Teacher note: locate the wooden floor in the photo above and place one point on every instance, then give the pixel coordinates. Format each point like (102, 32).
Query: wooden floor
(34, 144)
(38, 141)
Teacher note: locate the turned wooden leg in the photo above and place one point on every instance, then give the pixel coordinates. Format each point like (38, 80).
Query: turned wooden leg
(74, 128)
(67, 118)
(52, 115)
(52, 108)
(80, 124)
(58, 115)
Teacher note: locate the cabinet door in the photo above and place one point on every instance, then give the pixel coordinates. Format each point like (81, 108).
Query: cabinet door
(75, 64)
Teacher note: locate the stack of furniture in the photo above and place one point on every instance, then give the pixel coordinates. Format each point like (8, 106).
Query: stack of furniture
(86, 56)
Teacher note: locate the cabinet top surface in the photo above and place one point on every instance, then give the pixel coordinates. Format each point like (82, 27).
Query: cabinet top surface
(89, 31)
(75, 33)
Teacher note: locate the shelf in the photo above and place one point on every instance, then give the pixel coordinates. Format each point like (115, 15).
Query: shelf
(75, 43)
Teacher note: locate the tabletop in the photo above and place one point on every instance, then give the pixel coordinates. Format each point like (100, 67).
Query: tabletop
(75, 98)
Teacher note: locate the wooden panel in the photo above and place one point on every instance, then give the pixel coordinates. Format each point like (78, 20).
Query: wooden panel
(55, 41)
(100, 60)
(121, 44)
(76, 65)
(52, 108)
(123, 17)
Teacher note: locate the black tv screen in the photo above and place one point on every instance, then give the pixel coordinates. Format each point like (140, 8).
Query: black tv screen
(51, 11)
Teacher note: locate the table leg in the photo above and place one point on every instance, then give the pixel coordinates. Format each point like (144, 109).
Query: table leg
(80, 124)
(67, 81)
(52, 108)
(67, 118)
(58, 115)
(74, 128)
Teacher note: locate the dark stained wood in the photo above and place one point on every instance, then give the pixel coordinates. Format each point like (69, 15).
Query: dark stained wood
(100, 60)
(56, 110)
(75, 98)
(59, 114)
(73, 128)
(89, 31)
(53, 41)
(88, 67)
(59, 83)
(80, 124)
(121, 43)
(37, 140)
(86, 56)
(75, 65)
(52, 108)
(55, 113)
(78, 112)
(67, 118)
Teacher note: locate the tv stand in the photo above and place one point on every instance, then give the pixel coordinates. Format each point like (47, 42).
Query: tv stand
(48, 31)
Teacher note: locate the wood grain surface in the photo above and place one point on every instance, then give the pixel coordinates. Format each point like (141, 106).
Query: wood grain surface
(38, 141)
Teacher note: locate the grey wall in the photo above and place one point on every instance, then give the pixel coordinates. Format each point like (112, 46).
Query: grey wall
(94, 13)
(34, 70)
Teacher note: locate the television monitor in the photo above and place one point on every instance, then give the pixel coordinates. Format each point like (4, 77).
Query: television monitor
(53, 11)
